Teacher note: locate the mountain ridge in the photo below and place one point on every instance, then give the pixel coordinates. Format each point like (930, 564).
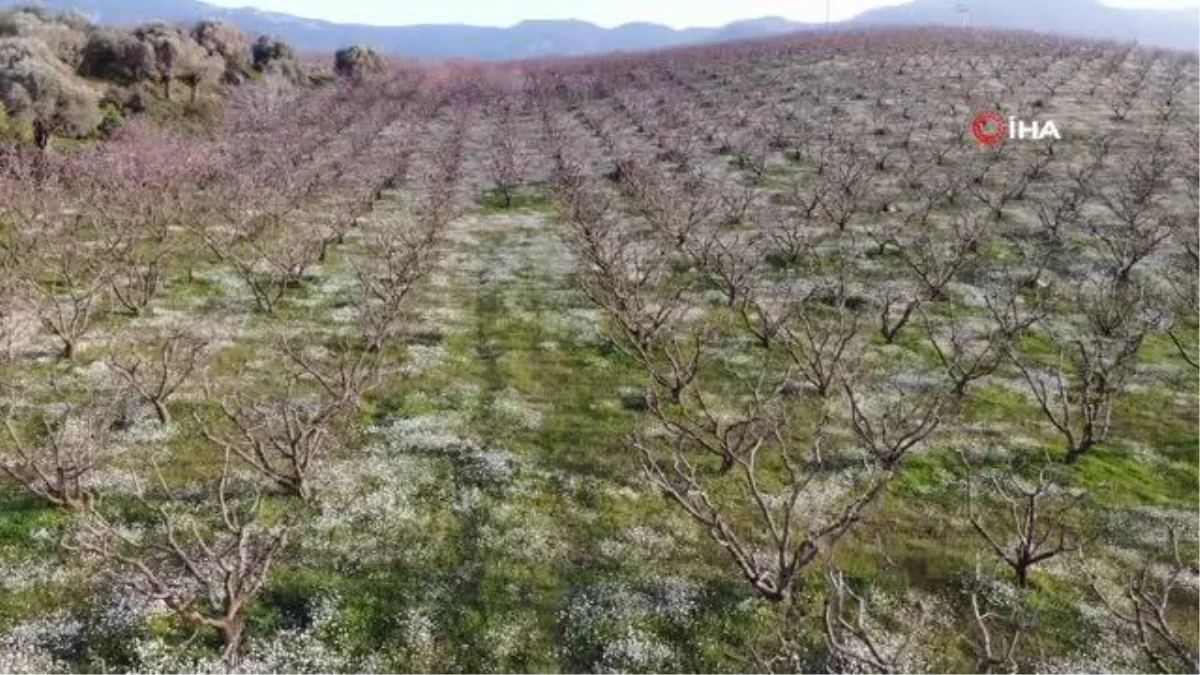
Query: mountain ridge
(525, 39)
(1175, 28)
(1178, 29)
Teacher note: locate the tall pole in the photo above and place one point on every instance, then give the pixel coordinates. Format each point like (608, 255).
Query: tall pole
(827, 16)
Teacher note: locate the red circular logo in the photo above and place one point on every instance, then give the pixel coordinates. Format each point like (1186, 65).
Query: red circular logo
(989, 127)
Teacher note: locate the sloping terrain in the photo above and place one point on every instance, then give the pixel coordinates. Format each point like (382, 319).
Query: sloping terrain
(671, 362)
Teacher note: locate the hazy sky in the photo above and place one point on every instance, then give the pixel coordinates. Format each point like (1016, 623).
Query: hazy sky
(677, 13)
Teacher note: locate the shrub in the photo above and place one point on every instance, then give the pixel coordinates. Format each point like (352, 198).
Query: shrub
(15, 49)
(36, 86)
(178, 57)
(117, 56)
(75, 20)
(273, 56)
(267, 50)
(65, 34)
(224, 40)
(8, 129)
(128, 101)
(168, 45)
(111, 120)
(320, 77)
(289, 70)
(259, 103)
(358, 62)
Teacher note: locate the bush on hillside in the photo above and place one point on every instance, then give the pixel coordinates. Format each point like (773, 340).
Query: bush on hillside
(64, 34)
(53, 68)
(8, 130)
(274, 56)
(226, 41)
(40, 89)
(358, 62)
(177, 57)
(267, 50)
(117, 56)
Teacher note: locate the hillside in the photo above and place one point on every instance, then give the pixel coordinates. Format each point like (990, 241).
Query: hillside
(750, 358)
(62, 75)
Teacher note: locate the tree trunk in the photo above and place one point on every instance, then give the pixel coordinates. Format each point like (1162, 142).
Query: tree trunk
(41, 134)
(231, 635)
(1022, 571)
(160, 409)
(1073, 454)
(295, 485)
(960, 387)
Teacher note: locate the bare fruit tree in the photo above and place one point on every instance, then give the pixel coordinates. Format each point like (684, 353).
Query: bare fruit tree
(1135, 225)
(268, 265)
(786, 532)
(402, 253)
(506, 159)
(966, 357)
(1148, 596)
(138, 264)
(59, 458)
(1094, 362)
(70, 284)
(1184, 296)
(156, 373)
(634, 283)
(1036, 515)
(285, 437)
(205, 567)
(855, 641)
(998, 632)
(745, 460)
(19, 323)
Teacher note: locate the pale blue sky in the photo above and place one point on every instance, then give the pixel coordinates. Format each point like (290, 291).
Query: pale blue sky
(676, 13)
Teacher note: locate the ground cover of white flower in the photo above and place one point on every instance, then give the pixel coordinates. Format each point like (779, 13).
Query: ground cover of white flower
(488, 513)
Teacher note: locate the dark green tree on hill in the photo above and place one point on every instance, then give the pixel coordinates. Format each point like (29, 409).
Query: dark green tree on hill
(358, 62)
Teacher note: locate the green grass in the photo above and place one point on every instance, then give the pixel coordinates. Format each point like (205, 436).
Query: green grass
(22, 515)
(527, 198)
(1119, 477)
(578, 486)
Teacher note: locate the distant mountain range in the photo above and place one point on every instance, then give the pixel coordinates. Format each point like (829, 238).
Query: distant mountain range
(1175, 28)
(1179, 29)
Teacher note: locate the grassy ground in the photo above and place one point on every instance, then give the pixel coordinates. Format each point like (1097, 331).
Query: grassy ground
(484, 510)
